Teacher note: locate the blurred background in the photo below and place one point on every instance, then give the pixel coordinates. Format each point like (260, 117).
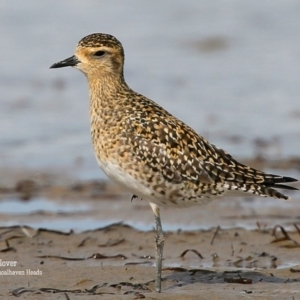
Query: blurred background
(229, 69)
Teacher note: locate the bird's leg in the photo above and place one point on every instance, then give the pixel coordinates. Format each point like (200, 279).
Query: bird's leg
(159, 242)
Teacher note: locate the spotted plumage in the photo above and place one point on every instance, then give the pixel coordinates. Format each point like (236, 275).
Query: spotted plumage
(143, 147)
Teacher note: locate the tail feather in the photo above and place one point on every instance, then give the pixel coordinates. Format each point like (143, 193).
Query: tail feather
(274, 181)
(267, 188)
(270, 192)
(285, 187)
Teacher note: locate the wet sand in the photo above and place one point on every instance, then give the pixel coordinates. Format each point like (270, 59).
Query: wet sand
(117, 262)
(240, 248)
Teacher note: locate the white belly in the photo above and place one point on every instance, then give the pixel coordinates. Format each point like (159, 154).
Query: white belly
(117, 174)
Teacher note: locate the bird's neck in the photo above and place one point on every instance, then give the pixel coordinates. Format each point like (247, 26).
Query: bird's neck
(106, 109)
(105, 88)
(106, 94)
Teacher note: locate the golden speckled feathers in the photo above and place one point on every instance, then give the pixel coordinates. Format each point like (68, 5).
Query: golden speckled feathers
(172, 148)
(142, 146)
(99, 40)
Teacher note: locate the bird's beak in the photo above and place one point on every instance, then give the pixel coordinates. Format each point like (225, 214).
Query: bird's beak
(69, 62)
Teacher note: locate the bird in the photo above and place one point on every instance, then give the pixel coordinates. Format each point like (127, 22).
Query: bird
(141, 146)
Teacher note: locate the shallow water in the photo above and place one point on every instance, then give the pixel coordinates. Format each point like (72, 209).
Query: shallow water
(230, 69)
(67, 214)
(15, 207)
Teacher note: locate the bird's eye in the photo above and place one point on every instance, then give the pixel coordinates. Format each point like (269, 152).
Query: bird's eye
(99, 53)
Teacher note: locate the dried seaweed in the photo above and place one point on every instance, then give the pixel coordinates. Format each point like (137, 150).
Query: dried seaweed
(176, 269)
(62, 257)
(297, 228)
(285, 237)
(10, 229)
(102, 256)
(93, 256)
(8, 247)
(40, 230)
(139, 263)
(109, 227)
(95, 287)
(203, 271)
(191, 250)
(239, 280)
(82, 243)
(19, 291)
(292, 270)
(111, 243)
(263, 260)
(138, 295)
(136, 286)
(67, 296)
(179, 278)
(215, 234)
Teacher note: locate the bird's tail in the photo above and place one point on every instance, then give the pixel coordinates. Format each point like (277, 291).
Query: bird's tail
(271, 183)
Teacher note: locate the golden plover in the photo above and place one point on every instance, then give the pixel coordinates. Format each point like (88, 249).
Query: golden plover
(141, 146)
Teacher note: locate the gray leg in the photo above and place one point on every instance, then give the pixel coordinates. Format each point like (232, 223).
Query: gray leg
(159, 241)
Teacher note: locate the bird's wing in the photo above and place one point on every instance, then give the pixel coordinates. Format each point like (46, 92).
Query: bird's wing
(167, 145)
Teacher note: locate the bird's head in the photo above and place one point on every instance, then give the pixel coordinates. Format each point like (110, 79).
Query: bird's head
(97, 54)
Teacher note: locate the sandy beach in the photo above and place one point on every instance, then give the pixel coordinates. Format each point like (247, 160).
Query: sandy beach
(243, 248)
(117, 262)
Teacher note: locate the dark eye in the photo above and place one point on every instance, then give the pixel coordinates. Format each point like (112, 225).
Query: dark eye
(99, 53)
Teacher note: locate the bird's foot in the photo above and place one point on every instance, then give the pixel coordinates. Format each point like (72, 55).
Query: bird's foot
(133, 197)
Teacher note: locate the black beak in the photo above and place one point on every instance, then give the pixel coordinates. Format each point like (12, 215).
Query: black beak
(69, 62)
